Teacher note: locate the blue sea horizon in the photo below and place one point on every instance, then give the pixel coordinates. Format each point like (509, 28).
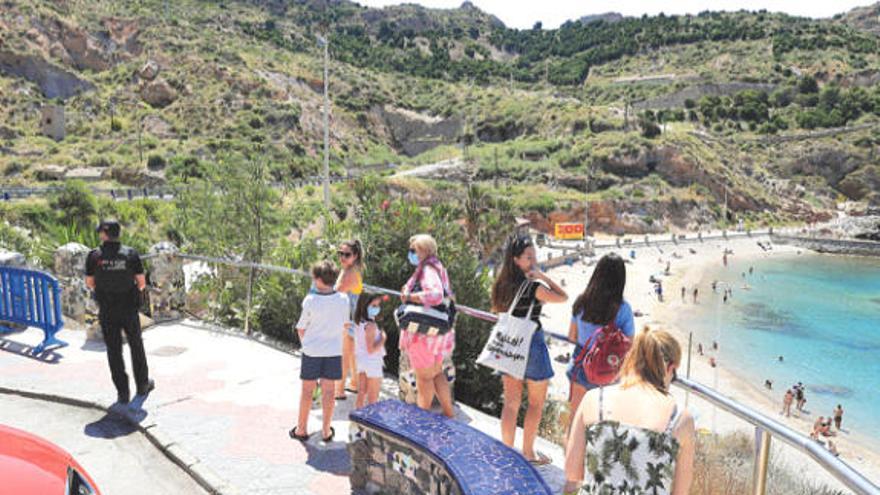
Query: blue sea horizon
(821, 313)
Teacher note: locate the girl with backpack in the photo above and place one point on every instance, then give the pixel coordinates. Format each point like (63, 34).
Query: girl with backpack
(633, 437)
(600, 309)
(518, 274)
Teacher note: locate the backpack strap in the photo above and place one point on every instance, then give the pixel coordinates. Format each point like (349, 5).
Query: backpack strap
(601, 403)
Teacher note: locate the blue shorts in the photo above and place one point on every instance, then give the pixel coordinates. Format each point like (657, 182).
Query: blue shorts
(352, 306)
(539, 367)
(314, 368)
(575, 371)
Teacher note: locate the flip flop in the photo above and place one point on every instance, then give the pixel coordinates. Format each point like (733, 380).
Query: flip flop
(342, 398)
(301, 438)
(542, 460)
(351, 390)
(330, 438)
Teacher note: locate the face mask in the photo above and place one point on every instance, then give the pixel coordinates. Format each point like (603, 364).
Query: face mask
(413, 258)
(373, 311)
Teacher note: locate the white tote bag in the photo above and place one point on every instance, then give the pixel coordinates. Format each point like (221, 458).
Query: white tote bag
(507, 349)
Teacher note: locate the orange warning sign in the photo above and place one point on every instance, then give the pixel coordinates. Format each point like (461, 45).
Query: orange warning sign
(569, 231)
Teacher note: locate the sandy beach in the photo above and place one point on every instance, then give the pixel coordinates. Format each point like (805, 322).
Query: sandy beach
(692, 265)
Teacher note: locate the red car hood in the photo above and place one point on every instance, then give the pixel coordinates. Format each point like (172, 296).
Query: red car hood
(30, 465)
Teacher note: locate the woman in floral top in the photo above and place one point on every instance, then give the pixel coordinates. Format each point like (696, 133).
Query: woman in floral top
(633, 438)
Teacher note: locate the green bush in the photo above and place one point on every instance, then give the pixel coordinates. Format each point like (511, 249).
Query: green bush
(75, 205)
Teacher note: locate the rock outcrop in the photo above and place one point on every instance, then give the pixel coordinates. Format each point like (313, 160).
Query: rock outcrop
(158, 93)
(415, 133)
(53, 81)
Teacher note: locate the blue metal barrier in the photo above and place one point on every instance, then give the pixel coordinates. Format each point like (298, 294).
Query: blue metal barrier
(32, 298)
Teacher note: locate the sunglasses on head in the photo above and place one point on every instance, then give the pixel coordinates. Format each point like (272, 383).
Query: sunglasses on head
(520, 244)
(345, 254)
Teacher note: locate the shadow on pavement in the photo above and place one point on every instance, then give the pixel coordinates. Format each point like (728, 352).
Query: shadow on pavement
(24, 350)
(329, 457)
(114, 424)
(94, 346)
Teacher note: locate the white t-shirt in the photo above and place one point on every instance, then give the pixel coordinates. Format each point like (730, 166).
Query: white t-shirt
(323, 318)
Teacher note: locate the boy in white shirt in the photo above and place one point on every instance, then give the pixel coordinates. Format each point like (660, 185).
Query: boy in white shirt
(324, 313)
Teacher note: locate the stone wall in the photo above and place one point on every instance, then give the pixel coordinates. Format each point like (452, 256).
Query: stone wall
(384, 464)
(76, 299)
(831, 246)
(167, 282)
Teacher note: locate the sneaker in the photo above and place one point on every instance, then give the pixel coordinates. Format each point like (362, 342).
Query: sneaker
(151, 385)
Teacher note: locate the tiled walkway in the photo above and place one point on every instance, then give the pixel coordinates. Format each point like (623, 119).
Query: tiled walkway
(227, 400)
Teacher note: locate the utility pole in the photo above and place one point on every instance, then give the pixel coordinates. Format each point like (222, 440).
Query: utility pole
(323, 42)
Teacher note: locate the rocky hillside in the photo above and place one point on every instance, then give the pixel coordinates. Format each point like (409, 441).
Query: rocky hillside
(658, 119)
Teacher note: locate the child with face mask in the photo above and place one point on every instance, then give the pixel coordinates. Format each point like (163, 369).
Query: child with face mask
(369, 346)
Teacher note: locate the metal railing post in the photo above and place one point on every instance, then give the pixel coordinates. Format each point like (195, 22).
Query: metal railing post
(762, 461)
(250, 298)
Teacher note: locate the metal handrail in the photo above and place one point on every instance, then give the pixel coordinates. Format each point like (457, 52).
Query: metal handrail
(765, 427)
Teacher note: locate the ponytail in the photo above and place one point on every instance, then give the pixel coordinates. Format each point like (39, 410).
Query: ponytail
(651, 353)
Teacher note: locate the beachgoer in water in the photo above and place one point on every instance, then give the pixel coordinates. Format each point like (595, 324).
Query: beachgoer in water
(696, 293)
(751, 270)
(838, 416)
(786, 403)
(659, 446)
(518, 276)
(781, 359)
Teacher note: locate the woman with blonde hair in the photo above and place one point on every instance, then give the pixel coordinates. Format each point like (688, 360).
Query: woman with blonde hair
(428, 286)
(633, 437)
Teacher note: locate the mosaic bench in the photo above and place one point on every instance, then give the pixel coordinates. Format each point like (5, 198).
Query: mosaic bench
(399, 448)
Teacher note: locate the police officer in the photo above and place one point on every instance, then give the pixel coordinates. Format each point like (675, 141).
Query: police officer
(116, 274)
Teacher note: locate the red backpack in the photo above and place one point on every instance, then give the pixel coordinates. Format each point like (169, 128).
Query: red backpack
(604, 356)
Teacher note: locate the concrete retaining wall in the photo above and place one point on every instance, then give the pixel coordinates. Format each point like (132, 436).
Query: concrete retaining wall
(832, 246)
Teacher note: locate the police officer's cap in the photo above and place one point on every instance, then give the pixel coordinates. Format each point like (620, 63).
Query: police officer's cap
(110, 227)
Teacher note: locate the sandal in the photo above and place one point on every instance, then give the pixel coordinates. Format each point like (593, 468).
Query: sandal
(329, 439)
(348, 389)
(341, 398)
(541, 460)
(301, 438)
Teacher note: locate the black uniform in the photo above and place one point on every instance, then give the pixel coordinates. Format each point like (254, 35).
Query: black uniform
(114, 267)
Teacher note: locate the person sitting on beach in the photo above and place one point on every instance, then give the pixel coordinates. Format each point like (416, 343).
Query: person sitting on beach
(601, 303)
(817, 428)
(658, 453)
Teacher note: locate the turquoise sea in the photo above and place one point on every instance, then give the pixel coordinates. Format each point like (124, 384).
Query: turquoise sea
(821, 313)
